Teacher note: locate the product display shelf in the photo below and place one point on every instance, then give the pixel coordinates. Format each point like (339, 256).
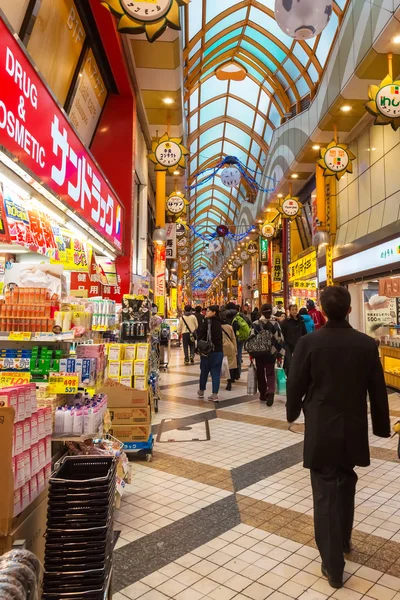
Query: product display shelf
(390, 357)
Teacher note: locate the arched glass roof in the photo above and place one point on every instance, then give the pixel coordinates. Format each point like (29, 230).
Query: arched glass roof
(237, 118)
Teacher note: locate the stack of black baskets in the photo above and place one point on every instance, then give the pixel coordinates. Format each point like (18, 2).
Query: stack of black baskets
(79, 536)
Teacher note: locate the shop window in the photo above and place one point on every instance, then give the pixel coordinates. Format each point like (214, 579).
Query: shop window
(55, 40)
(15, 12)
(88, 98)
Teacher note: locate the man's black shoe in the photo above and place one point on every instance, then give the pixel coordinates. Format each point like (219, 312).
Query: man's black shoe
(347, 547)
(270, 399)
(333, 583)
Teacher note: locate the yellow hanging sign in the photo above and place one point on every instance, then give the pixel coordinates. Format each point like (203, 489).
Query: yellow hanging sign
(304, 267)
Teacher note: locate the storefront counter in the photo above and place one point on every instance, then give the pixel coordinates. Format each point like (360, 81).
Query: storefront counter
(390, 358)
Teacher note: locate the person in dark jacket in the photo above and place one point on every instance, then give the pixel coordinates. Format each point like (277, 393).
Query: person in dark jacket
(213, 362)
(293, 328)
(198, 315)
(332, 371)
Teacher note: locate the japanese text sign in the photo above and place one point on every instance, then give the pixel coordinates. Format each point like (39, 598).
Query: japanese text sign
(34, 129)
(263, 249)
(304, 267)
(277, 272)
(63, 383)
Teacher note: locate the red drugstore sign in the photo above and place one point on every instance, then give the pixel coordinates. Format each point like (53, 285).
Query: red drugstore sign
(34, 129)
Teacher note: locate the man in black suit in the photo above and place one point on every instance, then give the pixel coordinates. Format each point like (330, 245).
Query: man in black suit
(331, 373)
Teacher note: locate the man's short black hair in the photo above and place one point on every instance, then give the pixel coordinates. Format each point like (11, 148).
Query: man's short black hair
(198, 308)
(336, 302)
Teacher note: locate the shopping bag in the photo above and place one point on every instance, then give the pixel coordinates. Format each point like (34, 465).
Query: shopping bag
(280, 381)
(252, 380)
(225, 373)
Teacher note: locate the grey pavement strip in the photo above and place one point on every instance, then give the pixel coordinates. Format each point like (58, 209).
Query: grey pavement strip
(153, 552)
(264, 467)
(173, 386)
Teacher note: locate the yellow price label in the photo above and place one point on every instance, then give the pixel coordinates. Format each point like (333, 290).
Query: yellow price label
(63, 383)
(9, 378)
(20, 336)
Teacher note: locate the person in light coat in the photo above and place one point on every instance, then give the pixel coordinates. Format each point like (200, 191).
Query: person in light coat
(229, 343)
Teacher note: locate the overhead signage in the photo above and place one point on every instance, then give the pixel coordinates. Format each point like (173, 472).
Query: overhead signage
(252, 248)
(300, 284)
(383, 102)
(159, 277)
(263, 250)
(176, 203)
(379, 257)
(336, 159)
(168, 154)
(277, 270)
(389, 287)
(264, 283)
(304, 267)
(180, 230)
(35, 131)
(289, 207)
(268, 230)
(170, 230)
(63, 383)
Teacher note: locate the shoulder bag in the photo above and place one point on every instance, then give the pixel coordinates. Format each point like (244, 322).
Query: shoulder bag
(192, 333)
(205, 347)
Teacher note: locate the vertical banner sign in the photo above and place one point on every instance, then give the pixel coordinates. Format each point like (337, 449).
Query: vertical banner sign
(174, 300)
(159, 277)
(277, 271)
(35, 131)
(263, 250)
(329, 265)
(264, 283)
(170, 230)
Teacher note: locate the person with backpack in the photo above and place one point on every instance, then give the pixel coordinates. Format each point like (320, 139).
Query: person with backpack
(187, 328)
(308, 322)
(315, 314)
(266, 346)
(242, 331)
(210, 348)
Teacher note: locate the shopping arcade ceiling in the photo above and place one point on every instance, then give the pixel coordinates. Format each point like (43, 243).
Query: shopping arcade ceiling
(237, 118)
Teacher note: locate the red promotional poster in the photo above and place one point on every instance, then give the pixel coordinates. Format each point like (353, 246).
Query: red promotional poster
(35, 131)
(28, 228)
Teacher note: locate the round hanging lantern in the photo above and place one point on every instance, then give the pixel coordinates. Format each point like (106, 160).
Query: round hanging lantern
(222, 230)
(231, 176)
(303, 19)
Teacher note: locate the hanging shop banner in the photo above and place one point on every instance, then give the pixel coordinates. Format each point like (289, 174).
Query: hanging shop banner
(289, 207)
(277, 270)
(159, 276)
(174, 300)
(268, 230)
(263, 250)
(170, 230)
(304, 268)
(35, 131)
(107, 269)
(336, 159)
(168, 154)
(383, 102)
(151, 17)
(87, 285)
(389, 287)
(264, 283)
(300, 284)
(329, 264)
(4, 233)
(176, 203)
(252, 248)
(72, 252)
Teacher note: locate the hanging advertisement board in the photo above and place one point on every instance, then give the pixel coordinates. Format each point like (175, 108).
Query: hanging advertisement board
(170, 230)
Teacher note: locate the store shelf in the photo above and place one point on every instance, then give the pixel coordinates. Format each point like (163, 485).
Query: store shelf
(75, 438)
(390, 357)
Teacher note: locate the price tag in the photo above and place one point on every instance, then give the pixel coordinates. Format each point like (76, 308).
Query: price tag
(20, 336)
(8, 378)
(63, 383)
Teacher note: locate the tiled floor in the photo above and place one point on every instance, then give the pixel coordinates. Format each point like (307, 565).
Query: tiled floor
(231, 518)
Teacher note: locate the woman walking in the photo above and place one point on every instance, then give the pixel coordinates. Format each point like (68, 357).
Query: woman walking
(229, 344)
(267, 356)
(211, 362)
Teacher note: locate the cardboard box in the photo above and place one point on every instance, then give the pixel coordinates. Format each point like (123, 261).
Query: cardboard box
(130, 416)
(121, 396)
(131, 433)
(30, 526)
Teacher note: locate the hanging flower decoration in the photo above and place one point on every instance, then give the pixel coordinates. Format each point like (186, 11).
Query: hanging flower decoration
(234, 169)
(384, 102)
(151, 17)
(289, 207)
(168, 154)
(336, 159)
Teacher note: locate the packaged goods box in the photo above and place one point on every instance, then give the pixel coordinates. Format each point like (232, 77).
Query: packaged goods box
(131, 433)
(130, 416)
(121, 396)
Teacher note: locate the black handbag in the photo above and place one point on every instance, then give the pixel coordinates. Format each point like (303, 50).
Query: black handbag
(205, 347)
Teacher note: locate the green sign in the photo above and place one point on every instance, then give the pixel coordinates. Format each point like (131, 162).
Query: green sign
(263, 250)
